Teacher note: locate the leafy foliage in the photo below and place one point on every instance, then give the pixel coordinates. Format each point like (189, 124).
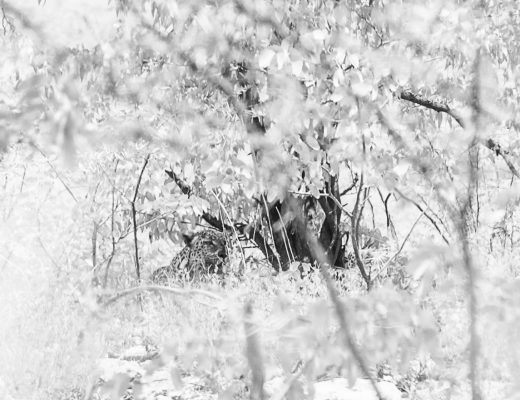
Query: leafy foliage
(316, 131)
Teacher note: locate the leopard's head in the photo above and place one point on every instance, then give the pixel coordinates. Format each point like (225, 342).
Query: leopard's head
(208, 243)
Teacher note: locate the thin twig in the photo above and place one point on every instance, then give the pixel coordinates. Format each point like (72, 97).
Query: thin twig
(230, 222)
(389, 223)
(94, 245)
(421, 209)
(352, 186)
(55, 171)
(354, 232)
(396, 254)
(216, 299)
(112, 236)
(6, 23)
(328, 195)
(137, 266)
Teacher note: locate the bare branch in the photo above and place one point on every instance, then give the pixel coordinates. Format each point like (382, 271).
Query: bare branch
(55, 171)
(134, 221)
(396, 254)
(432, 105)
(389, 223)
(421, 209)
(354, 233)
(94, 245)
(6, 23)
(352, 185)
(112, 224)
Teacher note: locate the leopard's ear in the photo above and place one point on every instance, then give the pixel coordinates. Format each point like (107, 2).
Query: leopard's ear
(188, 238)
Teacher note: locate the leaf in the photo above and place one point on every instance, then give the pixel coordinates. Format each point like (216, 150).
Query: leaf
(337, 96)
(149, 196)
(118, 385)
(265, 58)
(313, 41)
(189, 174)
(401, 169)
(199, 205)
(361, 89)
(353, 59)
(338, 79)
(312, 143)
(297, 67)
(315, 192)
(507, 196)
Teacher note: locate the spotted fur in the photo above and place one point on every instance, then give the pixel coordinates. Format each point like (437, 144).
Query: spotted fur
(204, 253)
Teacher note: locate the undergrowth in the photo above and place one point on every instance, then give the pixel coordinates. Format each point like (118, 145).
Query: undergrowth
(56, 327)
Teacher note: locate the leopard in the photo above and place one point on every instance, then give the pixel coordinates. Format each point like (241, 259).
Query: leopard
(204, 254)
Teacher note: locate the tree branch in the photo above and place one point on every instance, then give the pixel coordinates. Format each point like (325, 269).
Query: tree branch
(438, 106)
(137, 267)
(354, 234)
(432, 105)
